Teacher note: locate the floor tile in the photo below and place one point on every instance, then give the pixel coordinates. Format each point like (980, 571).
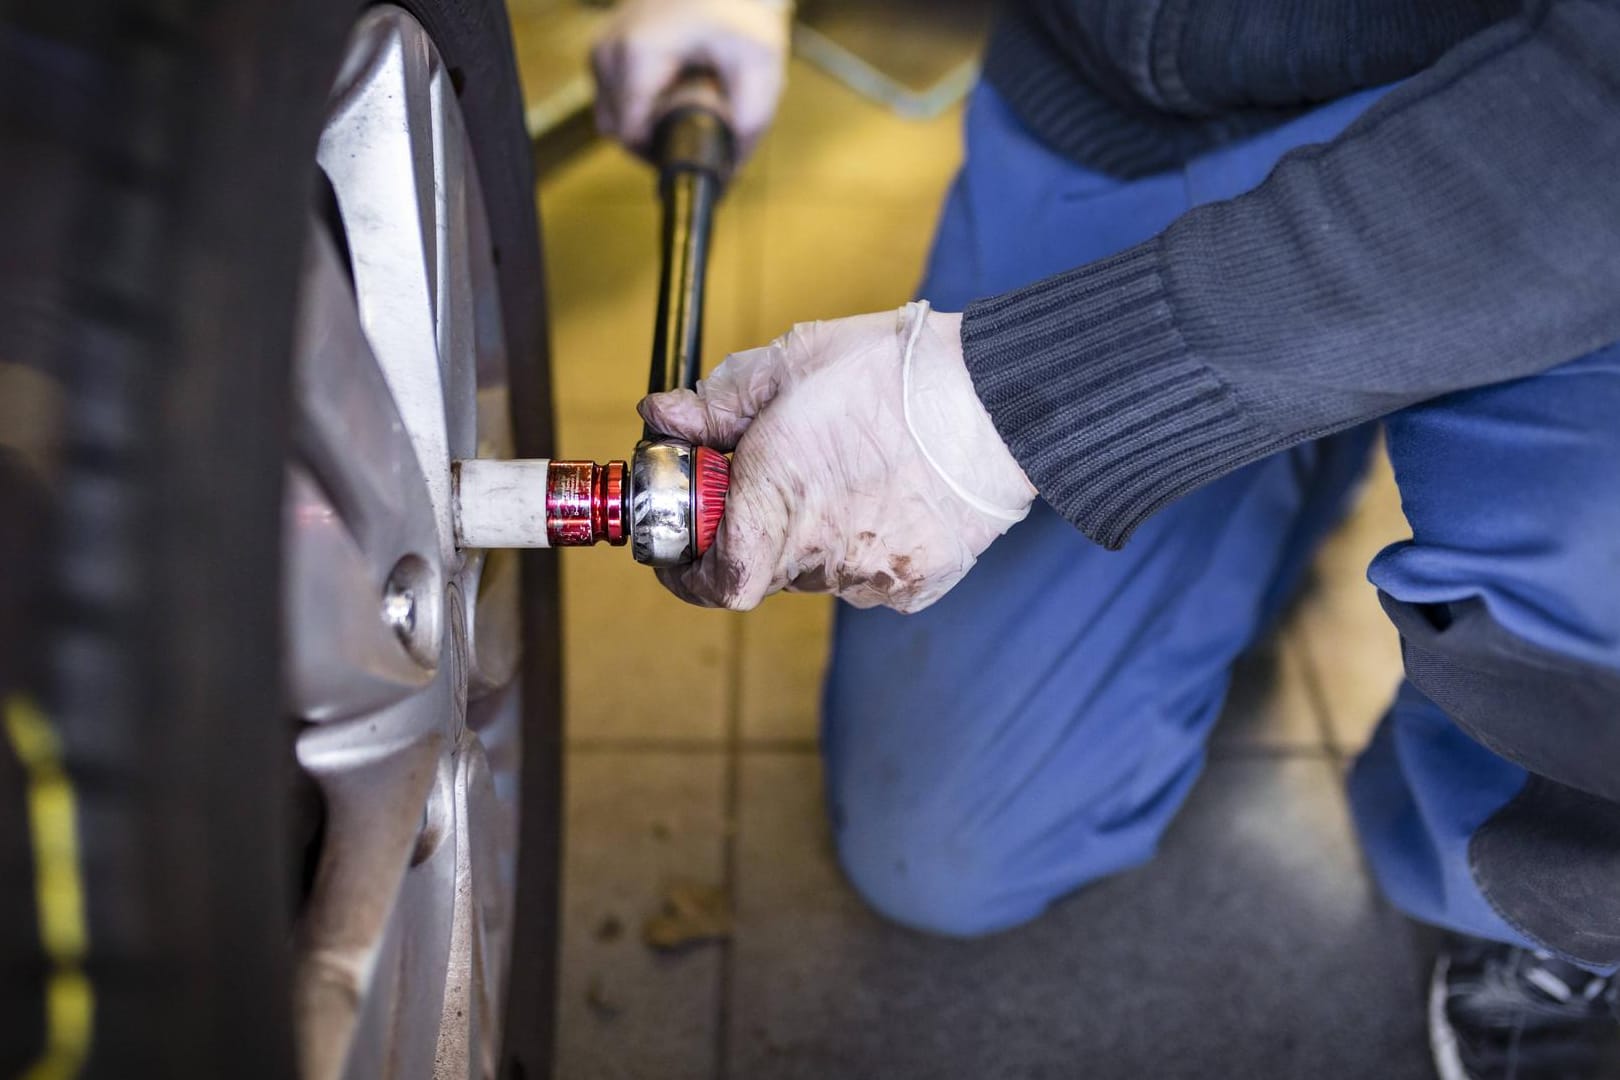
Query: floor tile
(602, 276)
(1270, 705)
(1252, 946)
(1353, 649)
(830, 144)
(783, 654)
(853, 196)
(602, 268)
(636, 823)
(916, 43)
(830, 261)
(601, 174)
(639, 664)
(552, 40)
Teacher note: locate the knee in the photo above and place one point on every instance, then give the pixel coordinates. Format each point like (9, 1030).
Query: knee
(928, 860)
(928, 877)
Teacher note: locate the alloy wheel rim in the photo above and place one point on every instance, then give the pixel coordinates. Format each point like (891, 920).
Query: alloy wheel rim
(401, 652)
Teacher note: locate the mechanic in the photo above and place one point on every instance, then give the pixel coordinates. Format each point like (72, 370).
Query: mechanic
(1198, 250)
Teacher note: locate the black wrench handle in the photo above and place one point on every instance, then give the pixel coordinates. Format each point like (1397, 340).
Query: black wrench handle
(694, 150)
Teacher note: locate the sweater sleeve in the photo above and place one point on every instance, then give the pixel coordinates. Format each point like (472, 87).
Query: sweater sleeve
(1464, 231)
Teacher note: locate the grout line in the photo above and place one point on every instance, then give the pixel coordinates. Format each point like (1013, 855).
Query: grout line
(651, 744)
(875, 85)
(731, 797)
(767, 745)
(635, 744)
(1316, 690)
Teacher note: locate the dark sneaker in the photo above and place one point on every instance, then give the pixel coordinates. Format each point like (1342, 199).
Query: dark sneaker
(1497, 1012)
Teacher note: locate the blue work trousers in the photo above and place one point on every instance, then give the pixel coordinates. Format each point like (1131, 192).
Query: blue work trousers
(1040, 726)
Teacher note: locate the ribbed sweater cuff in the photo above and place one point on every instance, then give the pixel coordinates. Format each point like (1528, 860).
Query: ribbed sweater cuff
(1094, 390)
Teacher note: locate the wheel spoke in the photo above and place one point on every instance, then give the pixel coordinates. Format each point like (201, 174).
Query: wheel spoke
(494, 421)
(417, 985)
(342, 659)
(490, 580)
(389, 824)
(456, 317)
(495, 842)
(494, 405)
(346, 428)
(493, 618)
(355, 518)
(381, 151)
(498, 720)
(470, 1016)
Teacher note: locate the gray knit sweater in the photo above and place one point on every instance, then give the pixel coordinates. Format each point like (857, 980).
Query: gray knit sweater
(1464, 231)
(1130, 87)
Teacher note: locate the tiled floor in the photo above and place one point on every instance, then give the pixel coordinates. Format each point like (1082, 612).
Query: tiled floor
(1253, 946)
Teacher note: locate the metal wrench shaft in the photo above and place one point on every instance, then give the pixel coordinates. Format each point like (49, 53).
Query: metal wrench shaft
(693, 149)
(667, 501)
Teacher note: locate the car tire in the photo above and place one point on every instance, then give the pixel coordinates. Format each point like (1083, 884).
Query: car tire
(156, 181)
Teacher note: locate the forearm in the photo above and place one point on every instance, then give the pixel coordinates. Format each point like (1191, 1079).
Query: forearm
(1462, 232)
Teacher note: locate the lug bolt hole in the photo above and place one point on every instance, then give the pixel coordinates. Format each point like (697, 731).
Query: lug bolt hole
(410, 606)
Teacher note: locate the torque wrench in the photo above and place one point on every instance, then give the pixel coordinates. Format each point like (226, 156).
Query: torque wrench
(667, 501)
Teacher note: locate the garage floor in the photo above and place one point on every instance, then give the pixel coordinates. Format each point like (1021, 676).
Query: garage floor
(1254, 946)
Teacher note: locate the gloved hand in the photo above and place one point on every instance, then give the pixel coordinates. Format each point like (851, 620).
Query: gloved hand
(866, 465)
(649, 42)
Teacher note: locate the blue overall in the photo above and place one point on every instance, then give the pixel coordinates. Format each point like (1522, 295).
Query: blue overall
(1040, 726)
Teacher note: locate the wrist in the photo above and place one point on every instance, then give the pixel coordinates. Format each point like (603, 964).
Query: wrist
(950, 424)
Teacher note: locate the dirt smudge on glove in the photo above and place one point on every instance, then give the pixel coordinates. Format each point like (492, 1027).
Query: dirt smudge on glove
(813, 580)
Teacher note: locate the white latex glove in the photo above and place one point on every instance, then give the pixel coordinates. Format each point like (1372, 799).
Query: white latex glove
(648, 43)
(866, 465)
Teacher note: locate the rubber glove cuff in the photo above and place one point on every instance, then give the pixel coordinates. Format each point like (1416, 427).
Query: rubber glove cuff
(948, 422)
